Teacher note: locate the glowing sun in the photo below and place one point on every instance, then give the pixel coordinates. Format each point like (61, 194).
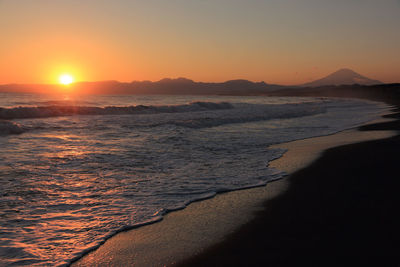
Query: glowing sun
(66, 79)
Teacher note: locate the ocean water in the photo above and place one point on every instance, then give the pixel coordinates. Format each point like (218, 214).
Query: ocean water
(76, 170)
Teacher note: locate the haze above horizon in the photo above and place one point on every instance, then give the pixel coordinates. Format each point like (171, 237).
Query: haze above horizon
(279, 42)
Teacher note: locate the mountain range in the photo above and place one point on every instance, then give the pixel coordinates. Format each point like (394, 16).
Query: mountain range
(186, 86)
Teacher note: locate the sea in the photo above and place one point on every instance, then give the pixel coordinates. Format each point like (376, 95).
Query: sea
(76, 170)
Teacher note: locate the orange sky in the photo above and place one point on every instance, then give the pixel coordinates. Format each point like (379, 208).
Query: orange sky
(284, 42)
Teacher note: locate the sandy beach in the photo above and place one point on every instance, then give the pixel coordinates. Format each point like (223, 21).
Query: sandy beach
(204, 224)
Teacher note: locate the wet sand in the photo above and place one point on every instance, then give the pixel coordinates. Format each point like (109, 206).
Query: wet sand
(200, 228)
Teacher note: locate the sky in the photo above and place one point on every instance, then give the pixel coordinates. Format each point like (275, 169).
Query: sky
(276, 41)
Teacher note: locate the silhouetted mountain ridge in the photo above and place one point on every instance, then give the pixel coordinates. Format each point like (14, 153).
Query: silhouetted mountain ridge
(184, 86)
(164, 86)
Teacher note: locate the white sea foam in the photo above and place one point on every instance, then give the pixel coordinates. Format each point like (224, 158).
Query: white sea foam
(77, 176)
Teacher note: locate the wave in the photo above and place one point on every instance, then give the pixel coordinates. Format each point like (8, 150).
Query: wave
(59, 110)
(9, 127)
(194, 115)
(251, 113)
(53, 103)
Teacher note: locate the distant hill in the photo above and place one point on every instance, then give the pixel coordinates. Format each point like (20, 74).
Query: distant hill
(165, 86)
(342, 77)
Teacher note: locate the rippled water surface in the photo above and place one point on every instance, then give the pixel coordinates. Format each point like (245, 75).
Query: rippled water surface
(74, 171)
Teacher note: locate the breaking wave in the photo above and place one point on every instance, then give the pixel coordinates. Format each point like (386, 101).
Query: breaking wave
(57, 110)
(9, 127)
(194, 115)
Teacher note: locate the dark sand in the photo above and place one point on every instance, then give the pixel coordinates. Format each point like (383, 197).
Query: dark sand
(342, 210)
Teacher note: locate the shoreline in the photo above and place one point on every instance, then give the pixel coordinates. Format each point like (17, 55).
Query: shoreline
(170, 241)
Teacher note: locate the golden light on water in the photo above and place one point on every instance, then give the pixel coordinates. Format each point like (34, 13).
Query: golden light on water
(66, 79)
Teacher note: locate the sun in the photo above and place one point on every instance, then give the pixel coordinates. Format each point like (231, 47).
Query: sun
(66, 79)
